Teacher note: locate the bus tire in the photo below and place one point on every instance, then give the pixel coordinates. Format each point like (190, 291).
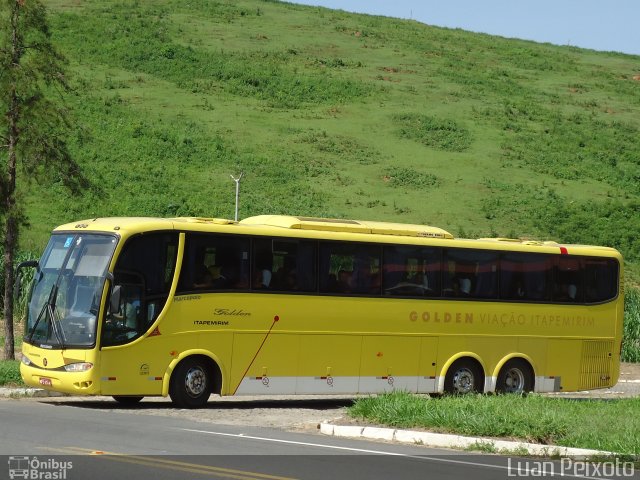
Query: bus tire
(127, 400)
(464, 376)
(190, 385)
(516, 376)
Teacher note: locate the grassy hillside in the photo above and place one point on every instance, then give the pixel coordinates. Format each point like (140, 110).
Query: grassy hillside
(344, 115)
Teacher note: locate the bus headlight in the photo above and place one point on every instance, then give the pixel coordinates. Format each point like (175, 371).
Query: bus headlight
(78, 367)
(25, 360)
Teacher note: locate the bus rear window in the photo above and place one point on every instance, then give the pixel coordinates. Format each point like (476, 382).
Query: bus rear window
(601, 279)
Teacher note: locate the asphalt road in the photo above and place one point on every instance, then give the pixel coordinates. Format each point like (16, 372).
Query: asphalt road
(76, 442)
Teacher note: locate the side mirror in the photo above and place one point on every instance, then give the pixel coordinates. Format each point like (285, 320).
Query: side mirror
(17, 286)
(114, 300)
(28, 263)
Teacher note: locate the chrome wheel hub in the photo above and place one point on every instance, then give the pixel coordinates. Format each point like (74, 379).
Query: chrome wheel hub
(463, 381)
(514, 381)
(195, 382)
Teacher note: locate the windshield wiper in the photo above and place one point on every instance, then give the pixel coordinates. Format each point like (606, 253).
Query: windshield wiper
(49, 307)
(55, 322)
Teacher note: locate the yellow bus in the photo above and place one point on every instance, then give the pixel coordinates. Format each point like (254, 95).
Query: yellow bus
(189, 307)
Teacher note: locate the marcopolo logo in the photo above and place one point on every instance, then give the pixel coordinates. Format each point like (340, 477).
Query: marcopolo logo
(38, 469)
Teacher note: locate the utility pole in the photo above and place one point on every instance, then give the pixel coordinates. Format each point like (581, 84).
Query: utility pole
(237, 180)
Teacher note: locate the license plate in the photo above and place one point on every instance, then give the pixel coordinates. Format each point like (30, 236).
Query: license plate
(45, 381)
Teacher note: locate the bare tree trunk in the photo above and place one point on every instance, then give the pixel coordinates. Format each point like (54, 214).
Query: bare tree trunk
(11, 230)
(11, 224)
(9, 248)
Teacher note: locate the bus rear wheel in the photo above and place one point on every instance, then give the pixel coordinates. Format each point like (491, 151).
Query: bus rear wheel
(190, 384)
(464, 376)
(127, 400)
(516, 376)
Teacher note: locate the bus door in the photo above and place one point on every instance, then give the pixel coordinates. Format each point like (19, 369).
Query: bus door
(133, 356)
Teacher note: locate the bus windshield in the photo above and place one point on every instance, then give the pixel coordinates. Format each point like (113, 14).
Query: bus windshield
(67, 291)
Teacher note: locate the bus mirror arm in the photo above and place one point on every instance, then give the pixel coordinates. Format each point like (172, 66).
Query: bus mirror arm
(114, 299)
(17, 286)
(114, 294)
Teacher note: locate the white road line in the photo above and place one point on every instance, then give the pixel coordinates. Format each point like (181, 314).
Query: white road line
(379, 452)
(305, 444)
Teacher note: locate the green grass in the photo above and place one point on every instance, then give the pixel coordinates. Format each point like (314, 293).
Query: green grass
(10, 373)
(602, 425)
(631, 341)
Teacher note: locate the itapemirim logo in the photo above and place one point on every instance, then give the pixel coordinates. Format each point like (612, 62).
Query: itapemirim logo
(33, 468)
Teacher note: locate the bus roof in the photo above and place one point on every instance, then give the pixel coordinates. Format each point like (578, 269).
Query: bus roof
(350, 226)
(277, 221)
(318, 228)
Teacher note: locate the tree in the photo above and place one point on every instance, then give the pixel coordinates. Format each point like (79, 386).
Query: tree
(33, 125)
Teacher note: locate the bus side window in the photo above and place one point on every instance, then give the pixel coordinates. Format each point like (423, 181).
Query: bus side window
(471, 273)
(284, 264)
(262, 266)
(350, 268)
(411, 271)
(214, 262)
(568, 280)
(525, 276)
(286, 277)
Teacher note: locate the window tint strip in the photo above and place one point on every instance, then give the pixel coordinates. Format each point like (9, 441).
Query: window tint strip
(218, 262)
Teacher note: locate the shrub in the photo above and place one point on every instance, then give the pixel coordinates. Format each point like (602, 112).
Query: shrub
(631, 341)
(10, 373)
(434, 132)
(407, 177)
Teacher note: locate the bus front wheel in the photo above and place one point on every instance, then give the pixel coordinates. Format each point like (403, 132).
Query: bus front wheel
(464, 376)
(516, 376)
(190, 385)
